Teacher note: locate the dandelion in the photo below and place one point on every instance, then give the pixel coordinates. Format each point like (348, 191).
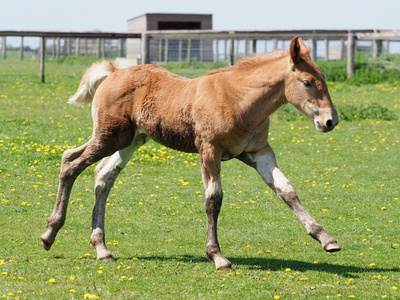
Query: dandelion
(52, 280)
(89, 296)
(394, 288)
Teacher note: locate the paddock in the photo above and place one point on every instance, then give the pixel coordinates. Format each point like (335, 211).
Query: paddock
(348, 179)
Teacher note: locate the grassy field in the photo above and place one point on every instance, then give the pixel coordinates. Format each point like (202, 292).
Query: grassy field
(155, 220)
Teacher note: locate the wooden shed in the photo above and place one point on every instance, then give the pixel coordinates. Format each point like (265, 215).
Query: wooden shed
(155, 21)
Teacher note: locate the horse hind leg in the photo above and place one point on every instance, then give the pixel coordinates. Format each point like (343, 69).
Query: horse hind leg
(74, 161)
(105, 176)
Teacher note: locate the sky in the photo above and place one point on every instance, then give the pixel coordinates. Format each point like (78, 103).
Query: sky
(108, 15)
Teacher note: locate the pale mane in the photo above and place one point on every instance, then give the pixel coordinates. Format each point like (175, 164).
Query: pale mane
(250, 61)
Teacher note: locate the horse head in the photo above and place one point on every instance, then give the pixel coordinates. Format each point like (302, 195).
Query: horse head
(306, 89)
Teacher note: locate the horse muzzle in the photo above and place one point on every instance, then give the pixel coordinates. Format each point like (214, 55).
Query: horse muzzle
(326, 122)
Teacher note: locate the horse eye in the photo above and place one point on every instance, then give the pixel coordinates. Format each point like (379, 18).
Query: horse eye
(306, 83)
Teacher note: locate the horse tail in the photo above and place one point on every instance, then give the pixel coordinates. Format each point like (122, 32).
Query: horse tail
(91, 80)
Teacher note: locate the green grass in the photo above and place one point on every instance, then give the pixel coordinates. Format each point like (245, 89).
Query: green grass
(155, 220)
(367, 70)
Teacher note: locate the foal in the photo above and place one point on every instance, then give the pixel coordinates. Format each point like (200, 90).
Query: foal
(221, 116)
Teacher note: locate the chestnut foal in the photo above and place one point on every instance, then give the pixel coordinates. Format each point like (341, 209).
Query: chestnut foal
(222, 115)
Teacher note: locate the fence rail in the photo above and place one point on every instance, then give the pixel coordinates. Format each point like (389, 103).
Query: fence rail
(75, 36)
(209, 45)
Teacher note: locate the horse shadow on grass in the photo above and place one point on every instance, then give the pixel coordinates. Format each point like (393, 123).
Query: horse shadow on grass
(275, 264)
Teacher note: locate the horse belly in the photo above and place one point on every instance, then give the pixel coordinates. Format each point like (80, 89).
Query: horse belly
(178, 136)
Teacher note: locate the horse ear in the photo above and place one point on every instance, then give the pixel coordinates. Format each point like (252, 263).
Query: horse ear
(294, 50)
(298, 49)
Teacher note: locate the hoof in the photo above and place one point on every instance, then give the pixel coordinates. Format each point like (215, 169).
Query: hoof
(45, 244)
(225, 266)
(221, 263)
(106, 258)
(332, 247)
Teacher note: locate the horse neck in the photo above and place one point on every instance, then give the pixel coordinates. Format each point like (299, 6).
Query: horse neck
(262, 87)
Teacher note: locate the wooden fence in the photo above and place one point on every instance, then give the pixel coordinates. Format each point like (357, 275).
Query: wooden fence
(208, 45)
(100, 37)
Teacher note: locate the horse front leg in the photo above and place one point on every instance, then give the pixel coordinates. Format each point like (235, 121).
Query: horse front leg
(210, 167)
(264, 162)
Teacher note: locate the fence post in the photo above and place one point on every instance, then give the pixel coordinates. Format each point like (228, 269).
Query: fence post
(159, 57)
(166, 50)
(53, 53)
(180, 50)
(98, 48)
(246, 47)
(77, 46)
(201, 50)
(216, 56)
(341, 47)
(120, 48)
(326, 49)
(351, 49)
(4, 47)
(232, 54)
(68, 46)
(86, 47)
(313, 49)
(58, 45)
(225, 50)
(376, 47)
(21, 50)
(42, 57)
(189, 51)
(274, 44)
(145, 48)
(103, 48)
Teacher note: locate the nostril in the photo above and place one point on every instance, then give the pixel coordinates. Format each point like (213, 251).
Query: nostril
(329, 124)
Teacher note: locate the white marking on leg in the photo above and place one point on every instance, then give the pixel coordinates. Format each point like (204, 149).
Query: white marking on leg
(105, 178)
(265, 163)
